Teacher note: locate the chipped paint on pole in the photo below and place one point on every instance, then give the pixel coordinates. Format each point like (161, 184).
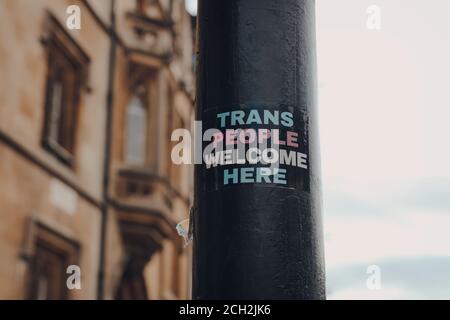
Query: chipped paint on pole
(257, 223)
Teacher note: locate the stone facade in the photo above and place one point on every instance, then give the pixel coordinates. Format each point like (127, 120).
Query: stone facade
(58, 90)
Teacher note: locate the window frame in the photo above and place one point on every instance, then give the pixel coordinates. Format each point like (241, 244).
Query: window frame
(47, 240)
(62, 49)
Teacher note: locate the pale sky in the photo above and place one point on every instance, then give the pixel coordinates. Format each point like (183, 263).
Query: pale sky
(384, 105)
(384, 112)
(191, 7)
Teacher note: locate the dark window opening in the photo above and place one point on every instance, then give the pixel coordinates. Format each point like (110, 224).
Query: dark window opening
(51, 256)
(132, 188)
(66, 76)
(63, 91)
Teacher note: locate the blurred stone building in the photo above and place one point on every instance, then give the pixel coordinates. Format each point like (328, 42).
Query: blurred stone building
(86, 177)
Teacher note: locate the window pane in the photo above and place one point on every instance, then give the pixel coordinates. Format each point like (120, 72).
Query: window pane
(68, 114)
(136, 132)
(42, 288)
(63, 93)
(55, 109)
(47, 274)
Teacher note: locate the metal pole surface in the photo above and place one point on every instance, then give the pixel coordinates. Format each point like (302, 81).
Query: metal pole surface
(257, 233)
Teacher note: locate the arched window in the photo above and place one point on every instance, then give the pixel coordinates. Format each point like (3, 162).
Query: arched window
(136, 136)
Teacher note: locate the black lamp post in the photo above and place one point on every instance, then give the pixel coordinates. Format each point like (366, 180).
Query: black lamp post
(258, 235)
